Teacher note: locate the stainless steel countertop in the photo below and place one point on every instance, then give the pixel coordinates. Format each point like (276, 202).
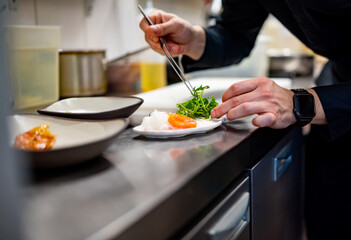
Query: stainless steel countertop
(103, 197)
(141, 187)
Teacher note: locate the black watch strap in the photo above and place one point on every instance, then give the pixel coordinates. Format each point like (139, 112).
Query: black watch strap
(303, 100)
(300, 90)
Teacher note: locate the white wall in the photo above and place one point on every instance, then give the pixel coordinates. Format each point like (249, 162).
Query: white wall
(112, 25)
(70, 16)
(25, 13)
(191, 10)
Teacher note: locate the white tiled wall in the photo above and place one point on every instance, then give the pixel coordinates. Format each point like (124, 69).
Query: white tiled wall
(112, 25)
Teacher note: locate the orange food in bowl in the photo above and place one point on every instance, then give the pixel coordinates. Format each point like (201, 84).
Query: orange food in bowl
(181, 121)
(36, 139)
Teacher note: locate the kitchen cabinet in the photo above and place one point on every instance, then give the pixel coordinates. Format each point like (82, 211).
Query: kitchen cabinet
(276, 190)
(274, 186)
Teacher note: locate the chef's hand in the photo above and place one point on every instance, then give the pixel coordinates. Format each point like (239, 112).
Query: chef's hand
(181, 37)
(262, 96)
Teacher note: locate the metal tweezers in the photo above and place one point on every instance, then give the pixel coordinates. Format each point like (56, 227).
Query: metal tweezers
(170, 59)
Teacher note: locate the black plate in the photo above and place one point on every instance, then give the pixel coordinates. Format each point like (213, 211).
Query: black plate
(94, 108)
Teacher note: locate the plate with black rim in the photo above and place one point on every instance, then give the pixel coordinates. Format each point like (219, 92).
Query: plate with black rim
(95, 108)
(76, 140)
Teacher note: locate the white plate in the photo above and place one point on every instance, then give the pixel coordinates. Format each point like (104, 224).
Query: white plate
(166, 99)
(93, 107)
(202, 126)
(76, 141)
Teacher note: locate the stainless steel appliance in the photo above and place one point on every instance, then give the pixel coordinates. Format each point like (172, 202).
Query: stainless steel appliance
(276, 187)
(229, 219)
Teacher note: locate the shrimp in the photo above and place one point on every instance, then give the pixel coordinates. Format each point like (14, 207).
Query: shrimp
(36, 139)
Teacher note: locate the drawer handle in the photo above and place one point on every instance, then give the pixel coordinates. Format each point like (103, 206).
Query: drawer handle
(234, 221)
(282, 161)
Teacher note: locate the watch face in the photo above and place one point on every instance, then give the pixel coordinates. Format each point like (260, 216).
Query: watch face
(304, 106)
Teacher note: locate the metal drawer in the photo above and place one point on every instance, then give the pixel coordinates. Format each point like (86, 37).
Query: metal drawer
(229, 219)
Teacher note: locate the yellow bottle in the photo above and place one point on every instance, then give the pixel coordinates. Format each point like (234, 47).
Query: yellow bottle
(152, 71)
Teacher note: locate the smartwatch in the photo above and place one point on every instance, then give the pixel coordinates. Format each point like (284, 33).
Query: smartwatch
(304, 107)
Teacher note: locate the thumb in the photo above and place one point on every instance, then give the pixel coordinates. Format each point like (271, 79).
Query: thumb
(265, 120)
(164, 29)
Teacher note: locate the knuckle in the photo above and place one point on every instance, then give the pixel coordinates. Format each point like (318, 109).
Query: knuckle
(265, 80)
(156, 13)
(234, 101)
(231, 115)
(266, 93)
(221, 109)
(246, 107)
(160, 29)
(234, 87)
(229, 92)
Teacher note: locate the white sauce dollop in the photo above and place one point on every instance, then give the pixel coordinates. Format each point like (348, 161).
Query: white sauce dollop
(156, 121)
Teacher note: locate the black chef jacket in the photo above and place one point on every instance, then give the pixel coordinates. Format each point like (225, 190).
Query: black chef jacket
(325, 27)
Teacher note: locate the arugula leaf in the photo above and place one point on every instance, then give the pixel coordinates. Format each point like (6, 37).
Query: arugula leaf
(198, 106)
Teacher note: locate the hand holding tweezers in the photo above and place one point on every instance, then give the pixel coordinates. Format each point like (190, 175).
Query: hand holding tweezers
(169, 57)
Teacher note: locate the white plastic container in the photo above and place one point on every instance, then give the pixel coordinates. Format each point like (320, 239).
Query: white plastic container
(34, 62)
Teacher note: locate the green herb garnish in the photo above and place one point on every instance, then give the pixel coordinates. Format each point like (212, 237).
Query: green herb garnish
(198, 106)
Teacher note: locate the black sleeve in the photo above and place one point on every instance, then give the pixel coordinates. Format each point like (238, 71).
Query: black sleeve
(232, 38)
(336, 102)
